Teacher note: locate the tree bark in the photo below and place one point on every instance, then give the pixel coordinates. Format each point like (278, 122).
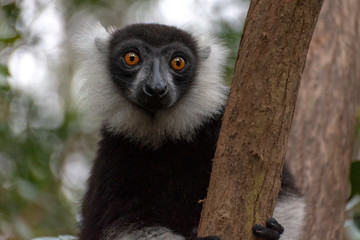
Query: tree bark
(248, 161)
(321, 139)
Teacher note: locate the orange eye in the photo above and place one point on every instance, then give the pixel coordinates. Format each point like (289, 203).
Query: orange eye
(178, 63)
(131, 59)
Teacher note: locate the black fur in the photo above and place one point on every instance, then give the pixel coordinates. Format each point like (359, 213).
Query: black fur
(154, 34)
(135, 186)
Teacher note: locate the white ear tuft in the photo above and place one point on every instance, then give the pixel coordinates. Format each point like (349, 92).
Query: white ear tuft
(101, 44)
(93, 83)
(204, 52)
(89, 38)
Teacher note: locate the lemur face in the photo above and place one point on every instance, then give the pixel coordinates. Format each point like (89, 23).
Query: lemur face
(153, 71)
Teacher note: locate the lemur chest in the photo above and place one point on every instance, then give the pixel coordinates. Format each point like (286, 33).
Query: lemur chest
(173, 191)
(173, 178)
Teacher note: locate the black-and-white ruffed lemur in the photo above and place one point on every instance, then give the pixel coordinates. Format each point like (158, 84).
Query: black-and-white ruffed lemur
(160, 94)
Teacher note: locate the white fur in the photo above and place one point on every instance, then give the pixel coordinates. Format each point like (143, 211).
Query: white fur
(147, 233)
(290, 212)
(205, 98)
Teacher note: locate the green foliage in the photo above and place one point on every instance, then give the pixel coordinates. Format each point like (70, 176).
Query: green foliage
(31, 156)
(355, 178)
(8, 16)
(4, 71)
(31, 202)
(75, 4)
(232, 40)
(12, 12)
(357, 220)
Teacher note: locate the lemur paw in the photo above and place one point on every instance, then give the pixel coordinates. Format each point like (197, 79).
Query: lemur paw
(272, 231)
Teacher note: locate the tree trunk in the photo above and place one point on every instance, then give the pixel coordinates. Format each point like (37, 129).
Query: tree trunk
(248, 161)
(321, 139)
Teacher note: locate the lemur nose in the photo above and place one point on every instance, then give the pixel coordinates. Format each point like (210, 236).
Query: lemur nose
(157, 90)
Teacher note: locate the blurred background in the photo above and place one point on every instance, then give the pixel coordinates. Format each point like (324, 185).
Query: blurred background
(46, 142)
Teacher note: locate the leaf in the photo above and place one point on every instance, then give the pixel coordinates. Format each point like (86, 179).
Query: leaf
(11, 10)
(4, 70)
(10, 40)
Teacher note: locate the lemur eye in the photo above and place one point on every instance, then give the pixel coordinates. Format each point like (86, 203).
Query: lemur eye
(178, 63)
(131, 59)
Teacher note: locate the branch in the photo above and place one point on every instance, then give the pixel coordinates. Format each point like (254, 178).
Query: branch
(248, 161)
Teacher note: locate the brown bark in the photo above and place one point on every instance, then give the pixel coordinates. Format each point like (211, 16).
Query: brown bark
(246, 171)
(321, 139)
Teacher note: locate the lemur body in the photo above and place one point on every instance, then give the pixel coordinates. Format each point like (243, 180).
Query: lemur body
(160, 93)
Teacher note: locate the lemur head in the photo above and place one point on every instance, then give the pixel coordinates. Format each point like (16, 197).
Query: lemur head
(152, 65)
(152, 82)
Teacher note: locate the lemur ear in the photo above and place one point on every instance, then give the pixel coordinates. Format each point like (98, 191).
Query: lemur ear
(204, 52)
(101, 44)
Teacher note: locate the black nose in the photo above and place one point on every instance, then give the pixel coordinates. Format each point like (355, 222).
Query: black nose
(156, 90)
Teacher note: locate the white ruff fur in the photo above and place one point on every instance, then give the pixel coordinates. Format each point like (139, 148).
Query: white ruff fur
(206, 97)
(146, 233)
(290, 212)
